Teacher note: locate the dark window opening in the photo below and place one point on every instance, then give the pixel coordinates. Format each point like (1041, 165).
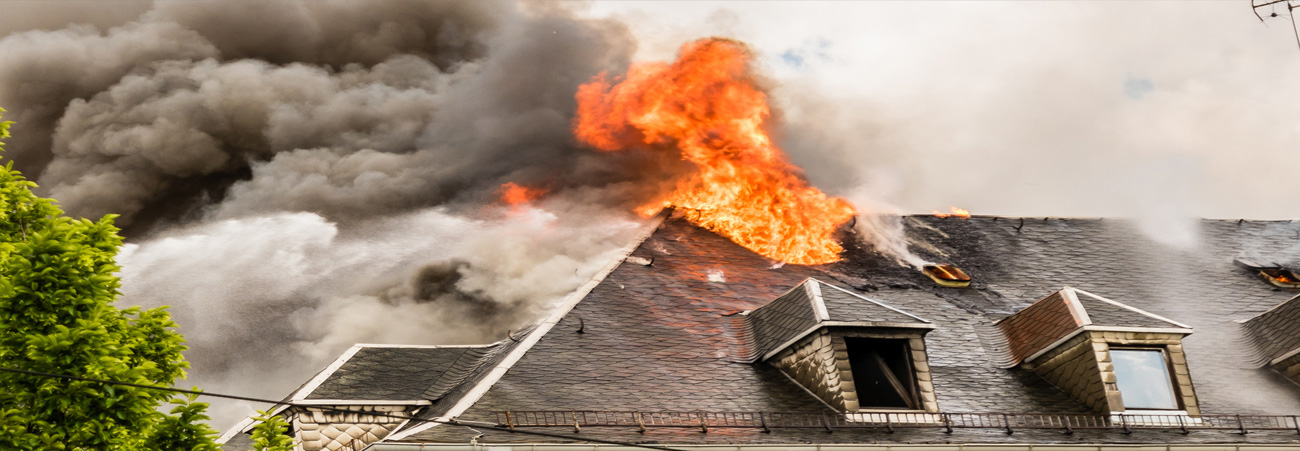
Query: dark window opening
(882, 373)
(1143, 379)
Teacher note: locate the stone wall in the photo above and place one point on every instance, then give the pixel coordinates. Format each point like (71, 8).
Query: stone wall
(820, 362)
(318, 430)
(1082, 367)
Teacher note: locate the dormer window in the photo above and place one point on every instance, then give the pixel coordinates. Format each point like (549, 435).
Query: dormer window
(854, 353)
(1142, 375)
(1112, 357)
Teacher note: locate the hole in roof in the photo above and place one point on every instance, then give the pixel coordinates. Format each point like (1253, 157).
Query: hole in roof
(947, 275)
(1281, 277)
(1273, 273)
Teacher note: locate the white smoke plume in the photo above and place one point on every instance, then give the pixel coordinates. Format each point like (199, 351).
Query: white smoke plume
(265, 301)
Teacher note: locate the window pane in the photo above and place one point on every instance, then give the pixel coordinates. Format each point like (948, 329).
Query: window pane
(1143, 379)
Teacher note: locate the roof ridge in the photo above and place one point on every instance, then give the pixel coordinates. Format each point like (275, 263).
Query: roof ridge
(483, 385)
(1132, 308)
(873, 301)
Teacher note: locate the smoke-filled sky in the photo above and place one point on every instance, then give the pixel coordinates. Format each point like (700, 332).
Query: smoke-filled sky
(297, 176)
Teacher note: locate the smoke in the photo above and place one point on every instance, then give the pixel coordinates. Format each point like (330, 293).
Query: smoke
(295, 177)
(265, 301)
(1006, 108)
(225, 109)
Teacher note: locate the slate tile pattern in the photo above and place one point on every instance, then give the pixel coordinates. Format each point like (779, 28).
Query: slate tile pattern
(1038, 326)
(1103, 313)
(1277, 331)
(781, 320)
(843, 306)
(400, 373)
(659, 337)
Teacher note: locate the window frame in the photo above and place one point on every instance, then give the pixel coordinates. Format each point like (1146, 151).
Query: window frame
(1169, 371)
(912, 384)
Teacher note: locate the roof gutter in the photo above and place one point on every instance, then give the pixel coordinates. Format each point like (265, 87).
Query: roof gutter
(829, 447)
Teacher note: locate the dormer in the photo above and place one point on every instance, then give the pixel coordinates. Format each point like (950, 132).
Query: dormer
(1277, 337)
(1112, 357)
(854, 353)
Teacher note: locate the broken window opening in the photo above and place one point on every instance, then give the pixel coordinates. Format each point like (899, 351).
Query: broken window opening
(1143, 378)
(883, 373)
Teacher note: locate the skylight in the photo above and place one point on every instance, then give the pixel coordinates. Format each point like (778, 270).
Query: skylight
(947, 275)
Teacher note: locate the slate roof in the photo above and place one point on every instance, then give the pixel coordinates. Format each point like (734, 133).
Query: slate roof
(398, 373)
(662, 337)
(1277, 331)
(781, 320)
(1107, 312)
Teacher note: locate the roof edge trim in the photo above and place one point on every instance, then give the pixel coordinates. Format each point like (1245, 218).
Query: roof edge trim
(1054, 345)
(1284, 357)
(813, 286)
(873, 301)
(1095, 328)
(825, 324)
(247, 424)
(1132, 308)
(1151, 330)
(363, 402)
(1076, 308)
(491, 378)
(384, 345)
(324, 374)
(878, 324)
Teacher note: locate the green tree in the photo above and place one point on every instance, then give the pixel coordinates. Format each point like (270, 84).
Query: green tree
(271, 433)
(57, 289)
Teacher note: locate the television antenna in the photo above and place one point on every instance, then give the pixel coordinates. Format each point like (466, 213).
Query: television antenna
(1291, 5)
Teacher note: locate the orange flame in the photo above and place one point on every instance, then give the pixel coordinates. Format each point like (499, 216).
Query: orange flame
(517, 196)
(706, 106)
(956, 212)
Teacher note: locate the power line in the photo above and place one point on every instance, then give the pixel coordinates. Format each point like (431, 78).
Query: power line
(454, 422)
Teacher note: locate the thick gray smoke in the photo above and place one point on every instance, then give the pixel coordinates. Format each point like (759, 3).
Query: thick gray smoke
(298, 176)
(343, 108)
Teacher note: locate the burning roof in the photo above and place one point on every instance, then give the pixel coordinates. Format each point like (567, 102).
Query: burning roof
(706, 106)
(662, 338)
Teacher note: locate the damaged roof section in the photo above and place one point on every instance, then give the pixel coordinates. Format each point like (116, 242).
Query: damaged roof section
(814, 304)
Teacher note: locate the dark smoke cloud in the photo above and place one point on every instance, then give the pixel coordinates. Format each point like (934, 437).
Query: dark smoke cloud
(299, 176)
(344, 108)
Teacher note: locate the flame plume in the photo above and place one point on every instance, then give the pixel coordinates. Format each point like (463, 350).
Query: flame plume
(707, 107)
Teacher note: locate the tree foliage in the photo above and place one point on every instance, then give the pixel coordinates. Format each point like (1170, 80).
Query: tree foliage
(57, 289)
(270, 434)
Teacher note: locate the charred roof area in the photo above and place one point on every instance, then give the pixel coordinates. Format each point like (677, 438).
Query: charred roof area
(664, 336)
